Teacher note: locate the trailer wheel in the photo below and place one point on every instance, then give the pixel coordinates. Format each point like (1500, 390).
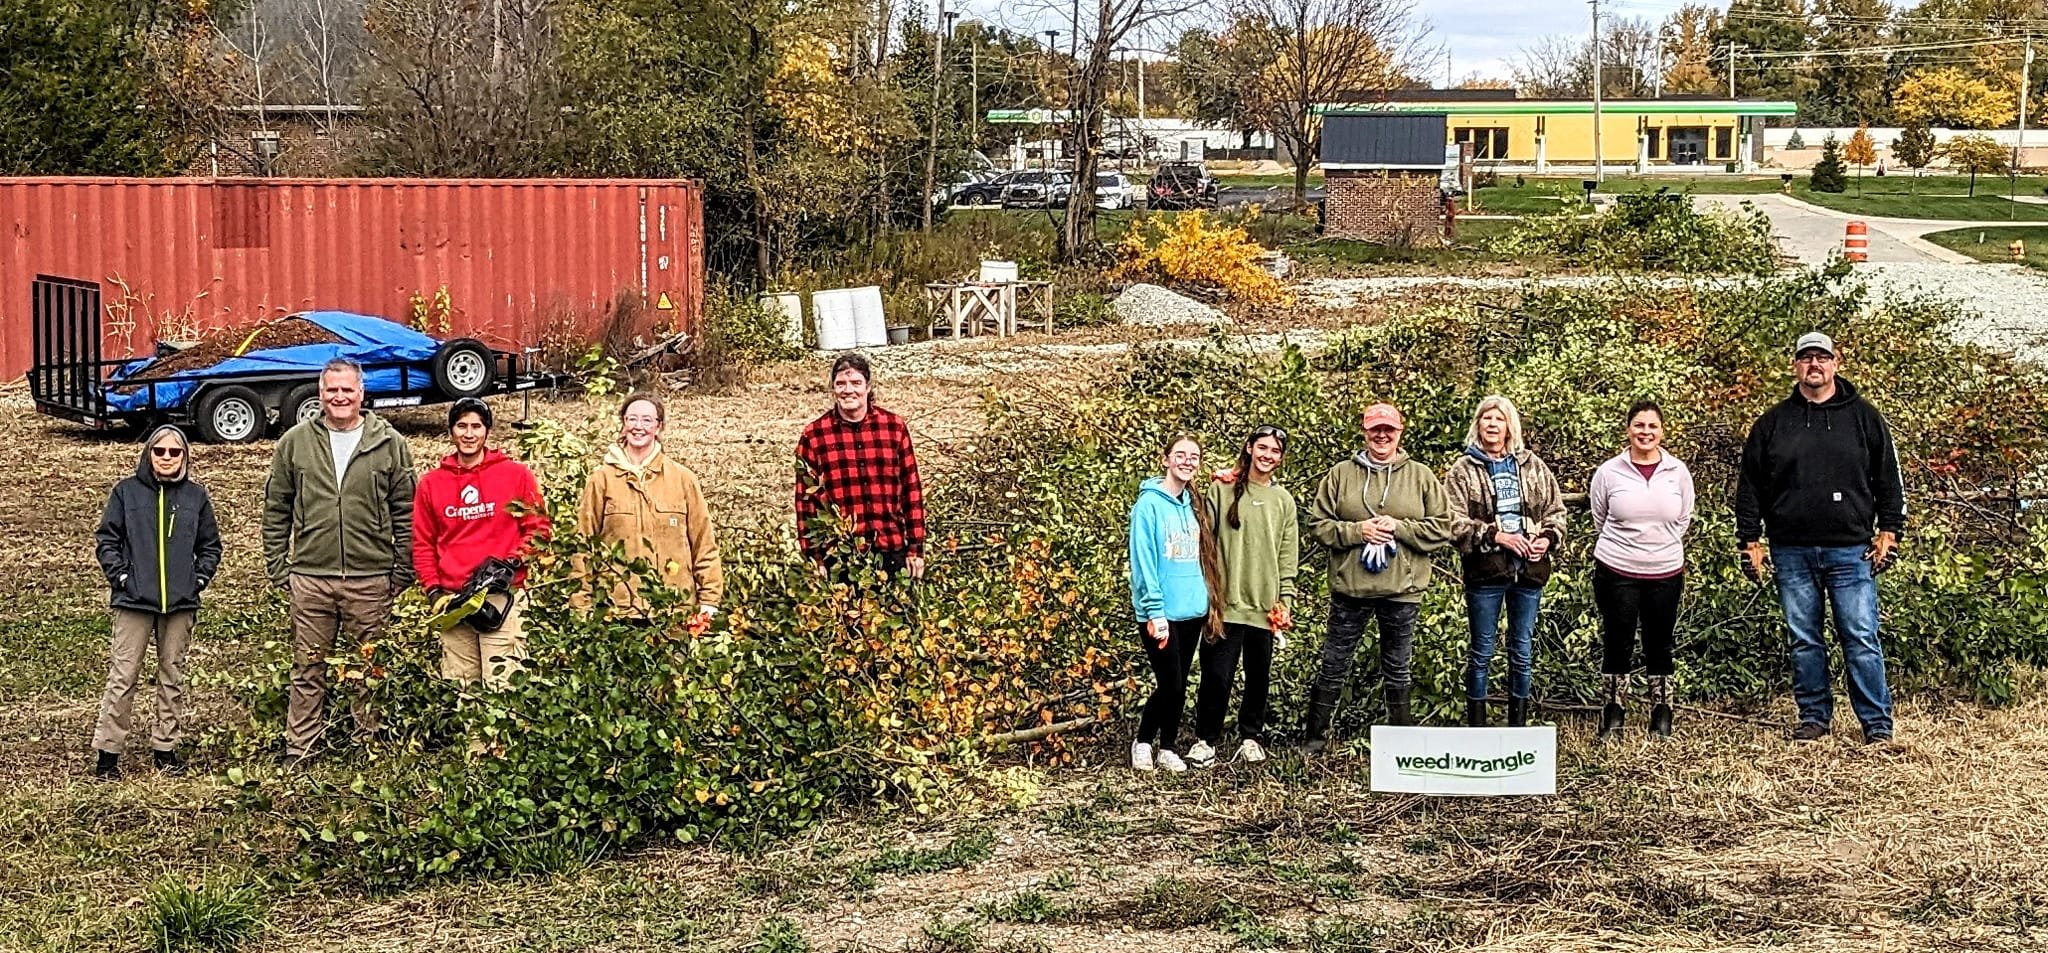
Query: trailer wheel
(230, 414)
(300, 405)
(462, 368)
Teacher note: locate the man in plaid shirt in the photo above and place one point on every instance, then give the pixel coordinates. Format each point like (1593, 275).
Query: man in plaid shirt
(855, 466)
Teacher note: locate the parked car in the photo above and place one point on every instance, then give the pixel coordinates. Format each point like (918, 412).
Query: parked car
(988, 191)
(1038, 190)
(949, 193)
(1112, 190)
(1182, 185)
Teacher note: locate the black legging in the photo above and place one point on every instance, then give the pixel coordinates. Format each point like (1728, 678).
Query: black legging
(1219, 669)
(1624, 603)
(1170, 665)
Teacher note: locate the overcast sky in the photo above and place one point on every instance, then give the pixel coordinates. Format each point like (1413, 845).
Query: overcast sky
(1480, 35)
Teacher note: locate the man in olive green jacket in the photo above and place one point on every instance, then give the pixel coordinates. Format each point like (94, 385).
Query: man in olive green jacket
(337, 538)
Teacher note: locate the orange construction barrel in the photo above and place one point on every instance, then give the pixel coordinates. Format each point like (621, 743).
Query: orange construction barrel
(1856, 244)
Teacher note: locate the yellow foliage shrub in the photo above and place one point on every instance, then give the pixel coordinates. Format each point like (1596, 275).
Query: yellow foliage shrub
(1194, 250)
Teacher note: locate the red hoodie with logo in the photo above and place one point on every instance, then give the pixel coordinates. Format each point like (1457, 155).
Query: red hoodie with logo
(462, 516)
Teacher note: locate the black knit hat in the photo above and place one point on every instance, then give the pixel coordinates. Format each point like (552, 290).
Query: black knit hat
(470, 405)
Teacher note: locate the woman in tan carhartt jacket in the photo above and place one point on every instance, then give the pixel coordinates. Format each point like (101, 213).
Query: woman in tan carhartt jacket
(653, 507)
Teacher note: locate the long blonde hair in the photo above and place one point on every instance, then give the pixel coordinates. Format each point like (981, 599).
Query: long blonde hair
(1507, 409)
(1211, 554)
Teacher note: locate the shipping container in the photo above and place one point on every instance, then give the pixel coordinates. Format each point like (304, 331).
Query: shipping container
(522, 260)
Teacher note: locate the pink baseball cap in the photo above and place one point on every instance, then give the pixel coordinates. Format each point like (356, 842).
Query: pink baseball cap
(1382, 415)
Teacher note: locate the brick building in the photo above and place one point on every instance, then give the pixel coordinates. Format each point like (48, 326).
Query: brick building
(1382, 176)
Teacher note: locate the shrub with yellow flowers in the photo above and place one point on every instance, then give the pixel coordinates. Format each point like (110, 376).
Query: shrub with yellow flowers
(1194, 250)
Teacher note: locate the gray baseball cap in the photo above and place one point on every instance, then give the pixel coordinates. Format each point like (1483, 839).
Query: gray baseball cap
(1814, 339)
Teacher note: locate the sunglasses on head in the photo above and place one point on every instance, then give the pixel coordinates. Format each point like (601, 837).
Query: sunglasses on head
(1268, 430)
(168, 452)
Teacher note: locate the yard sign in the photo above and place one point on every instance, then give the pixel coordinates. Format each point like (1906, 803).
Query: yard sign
(1464, 760)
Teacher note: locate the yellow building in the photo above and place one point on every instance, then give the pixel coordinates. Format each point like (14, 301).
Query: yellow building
(1539, 133)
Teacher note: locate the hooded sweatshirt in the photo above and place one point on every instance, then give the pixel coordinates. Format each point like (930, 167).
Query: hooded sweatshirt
(1261, 555)
(656, 511)
(1820, 474)
(462, 516)
(1166, 556)
(1355, 491)
(157, 542)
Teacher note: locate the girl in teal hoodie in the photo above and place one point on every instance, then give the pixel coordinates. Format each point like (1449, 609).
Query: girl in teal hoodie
(1174, 570)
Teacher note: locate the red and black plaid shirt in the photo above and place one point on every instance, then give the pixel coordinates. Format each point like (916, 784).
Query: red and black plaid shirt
(865, 474)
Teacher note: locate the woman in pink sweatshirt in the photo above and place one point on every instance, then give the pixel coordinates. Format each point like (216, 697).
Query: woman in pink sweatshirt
(1642, 503)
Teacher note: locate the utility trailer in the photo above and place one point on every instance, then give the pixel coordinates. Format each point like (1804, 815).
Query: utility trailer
(255, 392)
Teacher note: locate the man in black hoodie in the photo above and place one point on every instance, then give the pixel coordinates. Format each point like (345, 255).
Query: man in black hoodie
(1819, 472)
(158, 546)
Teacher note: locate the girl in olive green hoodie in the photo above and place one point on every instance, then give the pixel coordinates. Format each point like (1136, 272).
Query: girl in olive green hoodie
(1259, 538)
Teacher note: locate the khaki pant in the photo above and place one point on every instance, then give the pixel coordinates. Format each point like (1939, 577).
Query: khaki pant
(134, 632)
(324, 610)
(468, 655)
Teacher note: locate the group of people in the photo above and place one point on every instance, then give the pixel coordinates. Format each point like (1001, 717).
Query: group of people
(1213, 562)
(348, 525)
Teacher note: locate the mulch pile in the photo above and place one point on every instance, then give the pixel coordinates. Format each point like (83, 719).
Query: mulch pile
(218, 346)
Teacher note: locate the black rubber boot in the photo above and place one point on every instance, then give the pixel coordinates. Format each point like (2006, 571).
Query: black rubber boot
(1611, 717)
(1660, 706)
(1322, 706)
(107, 767)
(1518, 713)
(1397, 707)
(1475, 712)
(167, 762)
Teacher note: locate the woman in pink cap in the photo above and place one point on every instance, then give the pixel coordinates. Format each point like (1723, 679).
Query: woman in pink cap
(1380, 515)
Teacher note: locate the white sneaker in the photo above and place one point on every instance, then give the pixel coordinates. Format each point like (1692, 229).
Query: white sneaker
(1141, 756)
(1201, 755)
(1250, 752)
(1168, 761)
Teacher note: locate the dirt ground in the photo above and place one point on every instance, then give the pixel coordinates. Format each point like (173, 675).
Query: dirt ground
(1729, 837)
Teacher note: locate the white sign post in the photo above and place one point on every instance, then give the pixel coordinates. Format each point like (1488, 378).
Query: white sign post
(1468, 761)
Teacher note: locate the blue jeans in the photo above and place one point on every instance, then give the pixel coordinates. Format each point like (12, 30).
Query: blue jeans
(1482, 607)
(1809, 577)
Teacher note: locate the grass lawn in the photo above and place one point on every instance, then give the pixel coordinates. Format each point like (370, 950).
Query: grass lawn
(1268, 180)
(1989, 243)
(1934, 197)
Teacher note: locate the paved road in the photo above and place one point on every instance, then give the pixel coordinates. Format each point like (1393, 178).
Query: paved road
(1810, 233)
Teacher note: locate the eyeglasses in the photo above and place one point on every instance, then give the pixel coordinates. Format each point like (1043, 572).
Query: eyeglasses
(1185, 458)
(1268, 430)
(168, 453)
(1814, 359)
(643, 420)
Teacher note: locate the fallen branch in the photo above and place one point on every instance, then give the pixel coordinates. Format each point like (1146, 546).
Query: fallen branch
(1039, 733)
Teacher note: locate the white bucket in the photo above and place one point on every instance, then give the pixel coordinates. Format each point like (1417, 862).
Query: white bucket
(870, 326)
(998, 271)
(788, 306)
(833, 313)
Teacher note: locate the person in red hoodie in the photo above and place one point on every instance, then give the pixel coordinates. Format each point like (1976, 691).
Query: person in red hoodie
(478, 505)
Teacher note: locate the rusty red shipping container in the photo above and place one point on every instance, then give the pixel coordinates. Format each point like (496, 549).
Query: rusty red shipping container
(521, 258)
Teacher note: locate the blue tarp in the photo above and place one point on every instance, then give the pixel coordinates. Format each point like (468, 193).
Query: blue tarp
(365, 339)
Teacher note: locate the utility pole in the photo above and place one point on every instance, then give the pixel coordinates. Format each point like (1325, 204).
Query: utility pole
(931, 152)
(1731, 70)
(1599, 158)
(974, 91)
(2019, 149)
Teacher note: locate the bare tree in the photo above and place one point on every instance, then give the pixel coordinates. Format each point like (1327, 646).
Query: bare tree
(1088, 94)
(458, 87)
(329, 47)
(1561, 67)
(1313, 53)
(1553, 67)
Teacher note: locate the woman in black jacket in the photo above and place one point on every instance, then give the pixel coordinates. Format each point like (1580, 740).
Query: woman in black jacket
(159, 547)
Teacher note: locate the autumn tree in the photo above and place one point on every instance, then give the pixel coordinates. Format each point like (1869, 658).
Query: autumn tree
(1205, 75)
(1325, 51)
(111, 87)
(1974, 154)
(1861, 151)
(1687, 42)
(459, 88)
(1947, 96)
